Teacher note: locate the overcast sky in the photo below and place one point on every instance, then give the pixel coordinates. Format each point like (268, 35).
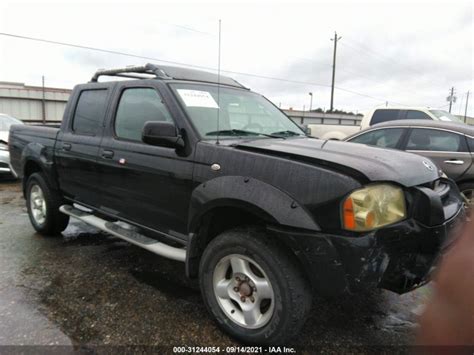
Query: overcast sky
(408, 53)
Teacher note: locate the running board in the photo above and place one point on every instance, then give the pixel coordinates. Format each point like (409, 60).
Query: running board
(130, 236)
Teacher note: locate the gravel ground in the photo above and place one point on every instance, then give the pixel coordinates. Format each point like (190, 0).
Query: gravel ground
(86, 288)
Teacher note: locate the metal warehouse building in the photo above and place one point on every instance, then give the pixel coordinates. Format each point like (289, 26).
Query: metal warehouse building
(32, 103)
(37, 104)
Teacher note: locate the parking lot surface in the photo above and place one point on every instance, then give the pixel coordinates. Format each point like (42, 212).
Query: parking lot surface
(87, 288)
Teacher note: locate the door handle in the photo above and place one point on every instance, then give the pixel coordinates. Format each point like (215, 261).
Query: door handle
(454, 162)
(67, 147)
(107, 154)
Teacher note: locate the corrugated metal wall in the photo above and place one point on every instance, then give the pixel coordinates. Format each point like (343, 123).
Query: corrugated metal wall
(26, 102)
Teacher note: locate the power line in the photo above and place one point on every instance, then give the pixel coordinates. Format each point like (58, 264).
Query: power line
(109, 51)
(187, 28)
(379, 82)
(367, 51)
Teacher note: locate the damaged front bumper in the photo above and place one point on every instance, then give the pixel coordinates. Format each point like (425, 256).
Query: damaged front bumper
(399, 257)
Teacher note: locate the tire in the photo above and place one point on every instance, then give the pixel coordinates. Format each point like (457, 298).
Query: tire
(43, 204)
(467, 190)
(275, 321)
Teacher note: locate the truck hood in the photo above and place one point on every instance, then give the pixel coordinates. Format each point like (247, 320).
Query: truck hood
(360, 161)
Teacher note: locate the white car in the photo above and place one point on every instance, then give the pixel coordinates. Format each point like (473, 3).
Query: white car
(5, 123)
(379, 115)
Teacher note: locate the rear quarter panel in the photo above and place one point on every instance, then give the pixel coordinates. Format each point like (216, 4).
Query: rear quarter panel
(32, 143)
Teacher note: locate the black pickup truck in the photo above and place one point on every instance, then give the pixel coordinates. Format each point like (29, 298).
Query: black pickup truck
(197, 168)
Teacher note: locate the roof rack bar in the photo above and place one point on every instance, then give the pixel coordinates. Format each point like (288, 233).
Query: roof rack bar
(131, 76)
(168, 73)
(145, 69)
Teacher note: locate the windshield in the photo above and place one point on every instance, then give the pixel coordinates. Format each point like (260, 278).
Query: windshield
(445, 116)
(7, 121)
(241, 113)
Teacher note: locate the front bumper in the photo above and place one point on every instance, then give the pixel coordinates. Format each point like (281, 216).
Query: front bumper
(399, 257)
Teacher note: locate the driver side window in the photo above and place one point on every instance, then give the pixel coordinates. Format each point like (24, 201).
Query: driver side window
(384, 138)
(137, 106)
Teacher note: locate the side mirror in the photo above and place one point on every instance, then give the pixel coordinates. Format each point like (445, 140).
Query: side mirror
(163, 134)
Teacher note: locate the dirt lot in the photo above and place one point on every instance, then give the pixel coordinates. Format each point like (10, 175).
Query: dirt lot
(86, 288)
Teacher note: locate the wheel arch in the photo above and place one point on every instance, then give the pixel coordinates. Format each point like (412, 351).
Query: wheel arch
(231, 201)
(37, 158)
(258, 197)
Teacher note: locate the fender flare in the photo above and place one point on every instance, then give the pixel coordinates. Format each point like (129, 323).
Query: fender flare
(37, 153)
(248, 193)
(262, 199)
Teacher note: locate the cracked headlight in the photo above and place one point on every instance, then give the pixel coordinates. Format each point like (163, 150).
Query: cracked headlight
(373, 207)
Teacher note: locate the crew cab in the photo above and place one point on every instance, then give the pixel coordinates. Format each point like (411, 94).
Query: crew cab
(195, 167)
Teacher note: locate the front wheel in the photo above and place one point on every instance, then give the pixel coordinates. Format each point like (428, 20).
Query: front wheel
(253, 288)
(43, 205)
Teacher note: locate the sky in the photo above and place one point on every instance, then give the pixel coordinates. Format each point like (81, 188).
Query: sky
(406, 53)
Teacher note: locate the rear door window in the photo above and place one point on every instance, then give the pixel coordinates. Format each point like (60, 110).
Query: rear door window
(380, 116)
(436, 140)
(384, 138)
(136, 107)
(90, 112)
(417, 115)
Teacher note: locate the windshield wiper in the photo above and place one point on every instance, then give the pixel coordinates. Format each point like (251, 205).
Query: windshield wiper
(286, 133)
(240, 132)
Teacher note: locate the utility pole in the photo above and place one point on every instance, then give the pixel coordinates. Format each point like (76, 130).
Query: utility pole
(335, 39)
(451, 98)
(310, 101)
(43, 101)
(465, 111)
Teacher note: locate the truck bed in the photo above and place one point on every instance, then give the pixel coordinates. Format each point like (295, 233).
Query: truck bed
(22, 135)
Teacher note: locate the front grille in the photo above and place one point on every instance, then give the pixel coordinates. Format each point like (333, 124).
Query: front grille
(436, 202)
(442, 187)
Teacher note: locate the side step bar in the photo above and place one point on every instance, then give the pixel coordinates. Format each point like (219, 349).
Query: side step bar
(130, 236)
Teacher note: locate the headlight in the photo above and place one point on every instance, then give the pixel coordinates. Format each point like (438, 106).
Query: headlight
(373, 207)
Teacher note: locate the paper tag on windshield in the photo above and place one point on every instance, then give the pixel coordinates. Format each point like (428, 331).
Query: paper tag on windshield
(197, 98)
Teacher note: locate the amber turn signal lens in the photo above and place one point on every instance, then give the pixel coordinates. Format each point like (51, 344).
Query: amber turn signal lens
(349, 221)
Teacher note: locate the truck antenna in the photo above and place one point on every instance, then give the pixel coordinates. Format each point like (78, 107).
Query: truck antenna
(218, 82)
